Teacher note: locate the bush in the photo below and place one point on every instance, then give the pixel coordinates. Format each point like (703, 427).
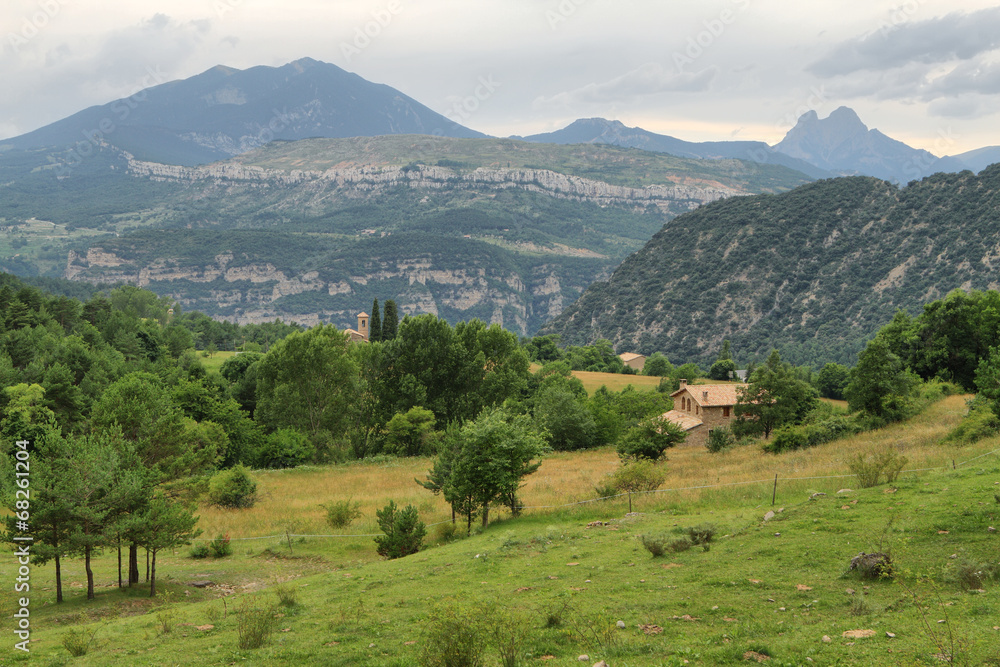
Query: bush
(649, 439)
(199, 551)
(981, 422)
(341, 513)
(254, 624)
(701, 534)
(453, 640)
(404, 531)
(876, 565)
(77, 642)
(720, 439)
(507, 632)
(788, 438)
(654, 545)
(233, 488)
(869, 468)
(220, 547)
(286, 448)
(287, 594)
(636, 477)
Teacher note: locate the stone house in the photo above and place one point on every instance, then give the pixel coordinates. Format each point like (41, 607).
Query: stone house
(700, 408)
(633, 360)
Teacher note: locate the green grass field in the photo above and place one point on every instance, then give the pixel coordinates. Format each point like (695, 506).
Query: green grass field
(555, 582)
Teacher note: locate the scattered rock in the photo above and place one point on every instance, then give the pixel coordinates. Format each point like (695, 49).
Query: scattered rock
(845, 491)
(753, 655)
(826, 639)
(670, 566)
(584, 658)
(651, 629)
(371, 646)
(953, 556)
(781, 609)
(942, 532)
(803, 587)
(201, 584)
(601, 664)
(621, 625)
(685, 617)
(814, 496)
(596, 524)
(872, 565)
(755, 581)
(769, 516)
(890, 635)
(857, 634)
(571, 564)
(845, 507)
(728, 620)
(777, 534)
(891, 490)
(715, 607)
(204, 627)
(992, 529)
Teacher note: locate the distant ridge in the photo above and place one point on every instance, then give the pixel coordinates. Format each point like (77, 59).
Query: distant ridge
(224, 112)
(616, 133)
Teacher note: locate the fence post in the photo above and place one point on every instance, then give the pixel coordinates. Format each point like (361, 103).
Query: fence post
(774, 494)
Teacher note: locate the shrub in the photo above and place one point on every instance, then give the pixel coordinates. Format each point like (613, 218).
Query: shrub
(720, 439)
(788, 438)
(981, 422)
(868, 468)
(220, 547)
(453, 640)
(77, 642)
(340, 513)
(654, 545)
(701, 534)
(254, 624)
(285, 448)
(507, 632)
(636, 477)
(678, 546)
(287, 594)
(199, 551)
(233, 488)
(404, 531)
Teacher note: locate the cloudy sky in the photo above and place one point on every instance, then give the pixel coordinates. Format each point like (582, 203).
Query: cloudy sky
(926, 72)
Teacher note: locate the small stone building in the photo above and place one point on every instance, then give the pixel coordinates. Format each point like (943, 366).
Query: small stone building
(633, 360)
(361, 334)
(699, 408)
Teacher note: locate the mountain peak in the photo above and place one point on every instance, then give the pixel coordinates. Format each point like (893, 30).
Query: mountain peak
(843, 144)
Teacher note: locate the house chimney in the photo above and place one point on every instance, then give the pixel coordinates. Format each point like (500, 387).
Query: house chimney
(684, 383)
(363, 325)
(704, 396)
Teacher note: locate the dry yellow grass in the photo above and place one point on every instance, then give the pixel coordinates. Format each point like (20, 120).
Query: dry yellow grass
(290, 499)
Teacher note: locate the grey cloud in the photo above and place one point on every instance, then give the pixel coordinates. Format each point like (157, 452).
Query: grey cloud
(648, 79)
(955, 36)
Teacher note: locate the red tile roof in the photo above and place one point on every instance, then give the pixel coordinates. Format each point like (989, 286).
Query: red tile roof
(711, 395)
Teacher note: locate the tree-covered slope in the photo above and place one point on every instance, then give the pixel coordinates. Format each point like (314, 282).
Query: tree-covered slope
(314, 230)
(812, 272)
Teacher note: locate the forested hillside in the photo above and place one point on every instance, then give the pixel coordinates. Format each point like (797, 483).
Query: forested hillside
(510, 232)
(813, 272)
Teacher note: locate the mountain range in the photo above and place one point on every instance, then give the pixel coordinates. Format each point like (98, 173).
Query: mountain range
(225, 111)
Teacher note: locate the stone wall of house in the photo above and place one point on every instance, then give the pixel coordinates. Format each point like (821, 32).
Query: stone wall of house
(712, 417)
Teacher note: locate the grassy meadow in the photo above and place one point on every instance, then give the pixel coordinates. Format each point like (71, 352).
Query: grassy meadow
(553, 583)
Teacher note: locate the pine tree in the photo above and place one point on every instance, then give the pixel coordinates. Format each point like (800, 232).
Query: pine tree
(390, 323)
(375, 330)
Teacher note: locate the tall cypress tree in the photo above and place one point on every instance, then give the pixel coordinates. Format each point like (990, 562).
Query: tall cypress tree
(390, 323)
(375, 328)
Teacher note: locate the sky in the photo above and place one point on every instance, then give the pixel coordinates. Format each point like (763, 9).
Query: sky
(926, 72)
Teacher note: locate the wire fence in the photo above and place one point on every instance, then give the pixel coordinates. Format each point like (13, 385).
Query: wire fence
(954, 466)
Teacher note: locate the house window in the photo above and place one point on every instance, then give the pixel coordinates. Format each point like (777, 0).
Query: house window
(696, 409)
(725, 411)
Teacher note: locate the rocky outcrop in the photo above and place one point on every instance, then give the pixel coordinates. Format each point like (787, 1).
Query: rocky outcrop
(369, 179)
